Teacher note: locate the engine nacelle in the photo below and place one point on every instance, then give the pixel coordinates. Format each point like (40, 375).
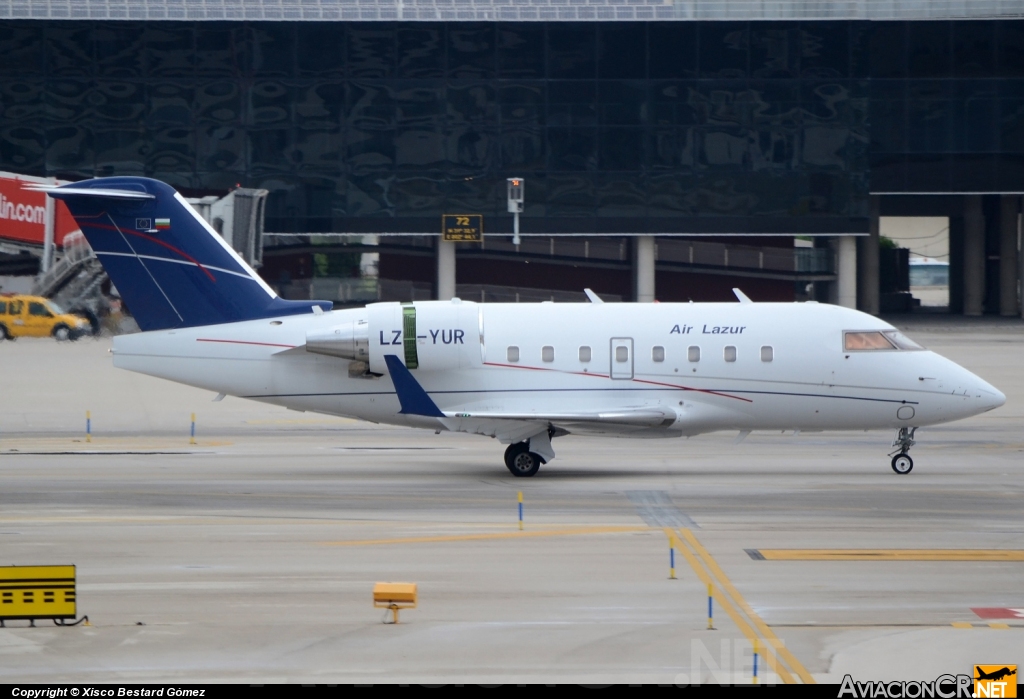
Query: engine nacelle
(427, 335)
(348, 341)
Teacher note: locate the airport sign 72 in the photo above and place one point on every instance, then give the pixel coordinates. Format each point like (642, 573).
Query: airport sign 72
(462, 228)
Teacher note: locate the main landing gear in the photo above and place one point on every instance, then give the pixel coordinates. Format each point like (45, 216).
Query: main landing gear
(522, 462)
(901, 461)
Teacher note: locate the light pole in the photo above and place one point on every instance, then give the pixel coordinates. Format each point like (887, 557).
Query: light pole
(516, 197)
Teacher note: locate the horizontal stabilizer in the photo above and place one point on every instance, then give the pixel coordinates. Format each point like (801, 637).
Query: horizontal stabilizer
(97, 192)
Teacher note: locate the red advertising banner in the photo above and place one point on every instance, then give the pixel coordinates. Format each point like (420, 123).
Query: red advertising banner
(23, 212)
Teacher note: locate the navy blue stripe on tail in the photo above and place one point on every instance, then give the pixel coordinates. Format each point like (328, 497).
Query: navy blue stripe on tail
(170, 267)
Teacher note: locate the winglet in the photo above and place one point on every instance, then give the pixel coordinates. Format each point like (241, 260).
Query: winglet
(743, 298)
(411, 395)
(594, 298)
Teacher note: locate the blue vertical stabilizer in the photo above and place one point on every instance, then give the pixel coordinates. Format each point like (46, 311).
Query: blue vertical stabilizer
(170, 267)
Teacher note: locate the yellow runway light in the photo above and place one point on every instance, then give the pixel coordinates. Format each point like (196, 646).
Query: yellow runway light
(394, 596)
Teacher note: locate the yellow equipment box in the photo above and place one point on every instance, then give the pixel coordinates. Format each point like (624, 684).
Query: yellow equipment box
(37, 592)
(402, 595)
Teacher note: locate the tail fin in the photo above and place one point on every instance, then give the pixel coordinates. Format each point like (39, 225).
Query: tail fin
(169, 266)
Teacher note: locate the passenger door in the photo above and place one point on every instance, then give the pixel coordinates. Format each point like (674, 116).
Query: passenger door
(622, 358)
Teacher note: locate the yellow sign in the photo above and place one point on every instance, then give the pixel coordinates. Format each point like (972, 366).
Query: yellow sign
(394, 596)
(995, 681)
(37, 592)
(462, 228)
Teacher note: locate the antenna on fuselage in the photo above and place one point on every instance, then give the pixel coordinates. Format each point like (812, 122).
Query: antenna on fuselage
(594, 298)
(743, 298)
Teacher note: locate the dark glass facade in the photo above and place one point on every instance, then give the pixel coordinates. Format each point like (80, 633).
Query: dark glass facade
(661, 127)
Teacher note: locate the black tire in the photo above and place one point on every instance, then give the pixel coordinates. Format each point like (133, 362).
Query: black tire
(520, 461)
(902, 464)
(4, 335)
(62, 333)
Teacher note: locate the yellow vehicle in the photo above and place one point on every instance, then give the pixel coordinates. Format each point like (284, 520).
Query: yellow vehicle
(34, 316)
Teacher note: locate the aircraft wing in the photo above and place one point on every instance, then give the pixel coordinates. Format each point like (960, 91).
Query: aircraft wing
(514, 427)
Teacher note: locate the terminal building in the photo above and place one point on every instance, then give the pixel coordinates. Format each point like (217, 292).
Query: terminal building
(670, 150)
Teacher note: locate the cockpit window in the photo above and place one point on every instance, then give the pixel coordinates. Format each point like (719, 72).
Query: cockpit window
(855, 341)
(901, 341)
(870, 340)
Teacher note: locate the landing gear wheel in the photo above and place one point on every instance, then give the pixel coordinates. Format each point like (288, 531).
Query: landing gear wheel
(521, 462)
(902, 463)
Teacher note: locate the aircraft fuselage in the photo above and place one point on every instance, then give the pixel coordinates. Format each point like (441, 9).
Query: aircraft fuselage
(756, 366)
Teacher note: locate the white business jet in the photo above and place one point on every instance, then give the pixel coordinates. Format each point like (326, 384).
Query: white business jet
(521, 373)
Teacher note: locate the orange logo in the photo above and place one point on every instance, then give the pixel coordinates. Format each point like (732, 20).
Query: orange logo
(995, 681)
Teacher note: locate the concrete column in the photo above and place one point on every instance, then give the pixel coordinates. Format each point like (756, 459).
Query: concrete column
(1008, 255)
(956, 264)
(867, 263)
(445, 270)
(49, 228)
(643, 268)
(846, 271)
(974, 256)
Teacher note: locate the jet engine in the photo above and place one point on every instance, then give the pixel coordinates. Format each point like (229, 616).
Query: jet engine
(427, 335)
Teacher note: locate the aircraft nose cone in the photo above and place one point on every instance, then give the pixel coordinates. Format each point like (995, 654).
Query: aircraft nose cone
(991, 397)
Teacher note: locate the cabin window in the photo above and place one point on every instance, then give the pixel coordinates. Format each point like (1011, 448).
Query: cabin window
(547, 353)
(658, 354)
(513, 354)
(767, 353)
(3, 307)
(585, 354)
(622, 353)
(693, 353)
(730, 353)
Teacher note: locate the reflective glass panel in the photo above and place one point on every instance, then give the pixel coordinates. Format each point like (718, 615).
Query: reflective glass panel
(872, 340)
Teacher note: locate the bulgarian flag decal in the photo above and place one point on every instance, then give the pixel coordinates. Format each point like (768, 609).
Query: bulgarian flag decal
(162, 224)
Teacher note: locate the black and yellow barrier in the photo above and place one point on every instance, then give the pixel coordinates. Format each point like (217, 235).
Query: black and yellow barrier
(37, 592)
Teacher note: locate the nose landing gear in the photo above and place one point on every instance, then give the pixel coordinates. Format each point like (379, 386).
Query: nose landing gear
(901, 461)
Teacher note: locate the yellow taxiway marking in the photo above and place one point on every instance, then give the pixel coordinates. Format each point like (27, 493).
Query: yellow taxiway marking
(998, 625)
(15, 446)
(770, 659)
(495, 535)
(335, 421)
(962, 625)
(888, 554)
(768, 640)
